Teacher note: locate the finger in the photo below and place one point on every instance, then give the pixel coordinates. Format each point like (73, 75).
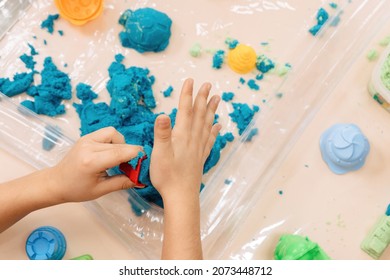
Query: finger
(114, 155)
(200, 110)
(162, 133)
(210, 143)
(107, 135)
(184, 113)
(210, 117)
(114, 183)
(101, 147)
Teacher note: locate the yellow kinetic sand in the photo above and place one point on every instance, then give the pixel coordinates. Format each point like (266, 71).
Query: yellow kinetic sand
(242, 59)
(79, 12)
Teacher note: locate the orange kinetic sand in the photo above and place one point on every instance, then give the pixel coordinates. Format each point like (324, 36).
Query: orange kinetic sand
(79, 12)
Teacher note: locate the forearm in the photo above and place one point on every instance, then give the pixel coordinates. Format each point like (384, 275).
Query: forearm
(182, 228)
(24, 195)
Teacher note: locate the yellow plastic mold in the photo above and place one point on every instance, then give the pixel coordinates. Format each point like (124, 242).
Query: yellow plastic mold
(242, 59)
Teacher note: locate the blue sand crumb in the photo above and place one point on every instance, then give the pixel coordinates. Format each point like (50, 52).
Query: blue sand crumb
(28, 60)
(130, 112)
(215, 153)
(232, 43)
(218, 59)
(168, 91)
(61, 32)
(279, 95)
(54, 88)
(259, 77)
(281, 192)
(264, 64)
(66, 65)
(322, 17)
(119, 58)
(387, 213)
(146, 30)
(32, 50)
(227, 96)
(336, 19)
(45, 42)
(253, 132)
(48, 23)
(243, 115)
(51, 135)
(264, 43)
(21, 82)
(242, 81)
(252, 85)
(228, 181)
(333, 5)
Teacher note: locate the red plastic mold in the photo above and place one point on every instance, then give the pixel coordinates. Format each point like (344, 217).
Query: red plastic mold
(132, 173)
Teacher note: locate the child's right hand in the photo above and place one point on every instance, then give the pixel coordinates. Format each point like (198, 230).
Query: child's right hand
(179, 154)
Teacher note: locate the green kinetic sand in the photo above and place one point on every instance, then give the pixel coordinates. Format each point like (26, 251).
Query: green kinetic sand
(295, 247)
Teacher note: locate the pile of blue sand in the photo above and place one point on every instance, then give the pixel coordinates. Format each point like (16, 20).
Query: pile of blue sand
(48, 96)
(130, 112)
(146, 30)
(242, 115)
(21, 81)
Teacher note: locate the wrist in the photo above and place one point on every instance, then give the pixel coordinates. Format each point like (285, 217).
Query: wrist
(181, 196)
(49, 189)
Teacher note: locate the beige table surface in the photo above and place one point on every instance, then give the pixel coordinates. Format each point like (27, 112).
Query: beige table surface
(347, 205)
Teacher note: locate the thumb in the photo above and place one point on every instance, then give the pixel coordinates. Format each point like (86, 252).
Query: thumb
(162, 132)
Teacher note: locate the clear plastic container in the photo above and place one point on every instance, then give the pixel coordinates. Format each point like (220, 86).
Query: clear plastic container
(376, 87)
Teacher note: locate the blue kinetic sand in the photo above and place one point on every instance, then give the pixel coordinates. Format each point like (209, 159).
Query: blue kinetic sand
(46, 243)
(243, 115)
(227, 96)
(146, 30)
(218, 59)
(48, 96)
(20, 83)
(48, 23)
(130, 112)
(344, 148)
(168, 91)
(322, 16)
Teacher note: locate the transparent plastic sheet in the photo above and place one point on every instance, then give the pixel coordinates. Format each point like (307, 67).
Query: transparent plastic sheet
(323, 67)
(10, 12)
(23, 132)
(89, 50)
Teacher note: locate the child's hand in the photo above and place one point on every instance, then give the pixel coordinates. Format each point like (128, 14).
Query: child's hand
(179, 155)
(82, 176)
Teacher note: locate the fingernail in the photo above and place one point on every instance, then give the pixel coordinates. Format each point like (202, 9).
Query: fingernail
(217, 98)
(163, 122)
